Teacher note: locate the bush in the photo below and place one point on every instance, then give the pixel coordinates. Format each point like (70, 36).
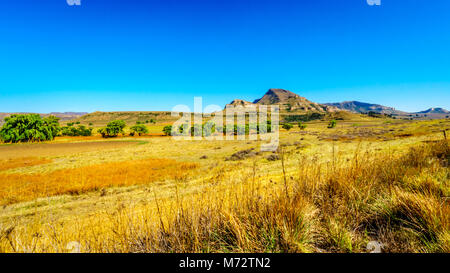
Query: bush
(81, 130)
(167, 130)
(302, 126)
(113, 128)
(29, 127)
(332, 124)
(287, 126)
(138, 129)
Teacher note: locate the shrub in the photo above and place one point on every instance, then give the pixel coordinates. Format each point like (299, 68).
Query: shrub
(332, 124)
(102, 131)
(139, 129)
(29, 127)
(81, 130)
(167, 130)
(287, 126)
(302, 126)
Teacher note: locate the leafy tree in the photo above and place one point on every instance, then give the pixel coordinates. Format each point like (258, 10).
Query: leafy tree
(287, 126)
(332, 124)
(102, 131)
(29, 127)
(302, 126)
(52, 123)
(112, 129)
(81, 130)
(139, 129)
(167, 130)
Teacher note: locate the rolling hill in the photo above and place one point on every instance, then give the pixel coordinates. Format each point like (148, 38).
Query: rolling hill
(434, 111)
(363, 107)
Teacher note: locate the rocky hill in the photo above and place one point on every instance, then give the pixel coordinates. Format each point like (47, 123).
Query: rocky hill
(288, 102)
(238, 102)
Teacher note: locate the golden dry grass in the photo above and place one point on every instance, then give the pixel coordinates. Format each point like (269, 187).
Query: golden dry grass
(24, 187)
(14, 151)
(22, 162)
(323, 196)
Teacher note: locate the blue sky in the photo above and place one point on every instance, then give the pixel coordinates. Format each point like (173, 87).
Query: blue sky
(152, 55)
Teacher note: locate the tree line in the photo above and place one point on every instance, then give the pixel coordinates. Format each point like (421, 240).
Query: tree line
(34, 128)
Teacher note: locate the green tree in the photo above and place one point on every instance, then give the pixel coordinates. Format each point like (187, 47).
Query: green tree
(167, 130)
(102, 131)
(81, 130)
(139, 129)
(52, 123)
(113, 128)
(29, 127)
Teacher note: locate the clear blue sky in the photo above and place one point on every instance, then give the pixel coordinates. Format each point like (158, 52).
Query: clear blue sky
(151, 55)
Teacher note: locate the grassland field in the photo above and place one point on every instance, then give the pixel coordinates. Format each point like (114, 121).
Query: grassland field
(325, 190)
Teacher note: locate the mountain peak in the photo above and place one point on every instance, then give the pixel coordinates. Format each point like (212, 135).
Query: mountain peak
(277, 95)
(238, 102)
(291, 102)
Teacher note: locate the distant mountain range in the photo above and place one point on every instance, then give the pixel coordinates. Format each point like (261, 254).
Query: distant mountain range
(291, 102)
(363, 107)
(435, 111)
